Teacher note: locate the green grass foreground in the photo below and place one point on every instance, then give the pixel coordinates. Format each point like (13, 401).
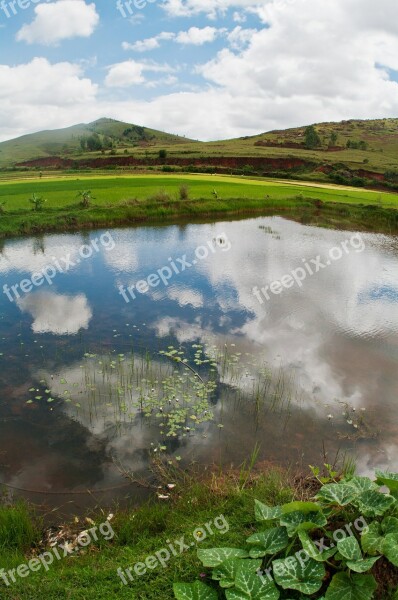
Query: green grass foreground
(137, 199)
(92, 574)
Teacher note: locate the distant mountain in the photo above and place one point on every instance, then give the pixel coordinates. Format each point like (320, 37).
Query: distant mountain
(104, 134)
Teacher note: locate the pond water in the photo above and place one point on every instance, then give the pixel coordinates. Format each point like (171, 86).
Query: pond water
(193, 366)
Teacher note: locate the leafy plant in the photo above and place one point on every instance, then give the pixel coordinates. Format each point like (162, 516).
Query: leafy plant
(324, 549)
(37, 202)
(86, 198)
(2, 205)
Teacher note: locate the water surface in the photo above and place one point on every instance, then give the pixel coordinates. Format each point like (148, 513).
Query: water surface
(86, 390)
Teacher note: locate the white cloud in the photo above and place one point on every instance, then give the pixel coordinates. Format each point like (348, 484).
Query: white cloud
(239, 37)
(194, 36)
(148, 43)
(313, 61)
(53, 313)
(197, 36)
(59, 21)
(131, 72)
(212, 8)
(239, 17)
(125, 74)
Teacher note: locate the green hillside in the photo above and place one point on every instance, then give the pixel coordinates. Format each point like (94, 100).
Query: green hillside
(112, 135)
(356, 153)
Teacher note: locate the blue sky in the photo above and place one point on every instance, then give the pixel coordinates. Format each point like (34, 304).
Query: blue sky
(207, 69)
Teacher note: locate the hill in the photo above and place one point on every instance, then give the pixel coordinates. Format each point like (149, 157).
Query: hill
(354, 152)
(76, 141)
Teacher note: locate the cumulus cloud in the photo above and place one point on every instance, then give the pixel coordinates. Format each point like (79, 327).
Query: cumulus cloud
(197, 36)
(194, 36)
(212, 8)
(54, 313)
(60, 21)
(308, 61)
(149, 43)
(131, 72)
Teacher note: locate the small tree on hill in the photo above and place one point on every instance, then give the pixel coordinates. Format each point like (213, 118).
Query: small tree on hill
(312, 139)
(333, 138)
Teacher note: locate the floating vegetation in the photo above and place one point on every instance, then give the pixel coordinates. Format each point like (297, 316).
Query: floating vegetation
(177, 389)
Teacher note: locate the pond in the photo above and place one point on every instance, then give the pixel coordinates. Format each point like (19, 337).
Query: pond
(196, 343)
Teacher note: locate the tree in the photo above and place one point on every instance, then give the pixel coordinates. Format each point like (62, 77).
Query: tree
(94, 142)
(162, 154)
(333, 138)
(312, 139)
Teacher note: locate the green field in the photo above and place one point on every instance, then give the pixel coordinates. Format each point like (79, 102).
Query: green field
(61, 192)
(136, 199)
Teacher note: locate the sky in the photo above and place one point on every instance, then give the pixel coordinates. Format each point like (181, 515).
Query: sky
(206, 69)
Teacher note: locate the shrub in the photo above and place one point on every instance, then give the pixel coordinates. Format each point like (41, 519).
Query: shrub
(86, 198)
(160, 196)
(37, 202)
(184, 192)
(323, 549)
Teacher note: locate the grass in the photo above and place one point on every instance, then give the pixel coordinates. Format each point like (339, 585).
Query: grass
(135, 199)
(144, 531)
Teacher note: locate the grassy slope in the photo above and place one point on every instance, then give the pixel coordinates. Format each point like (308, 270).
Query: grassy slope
(139, 534)
(66, 142)
(118, 200)
(380, 135)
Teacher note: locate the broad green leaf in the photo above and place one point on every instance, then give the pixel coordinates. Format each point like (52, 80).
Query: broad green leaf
(371, 540)
(266, 513)
(354, 587)
(304, 507)
(194, 591)
(374, 504)
(390, 525)
(311, 549)
(388, 479)
(216, 556)
(255, 552)
(304, 576)
(228, 570)
(252, 586)
(362, 484)
(389, 547)
(361, 566)
(349, 548)
(297, 520)
(272, 541)
(337, 493)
